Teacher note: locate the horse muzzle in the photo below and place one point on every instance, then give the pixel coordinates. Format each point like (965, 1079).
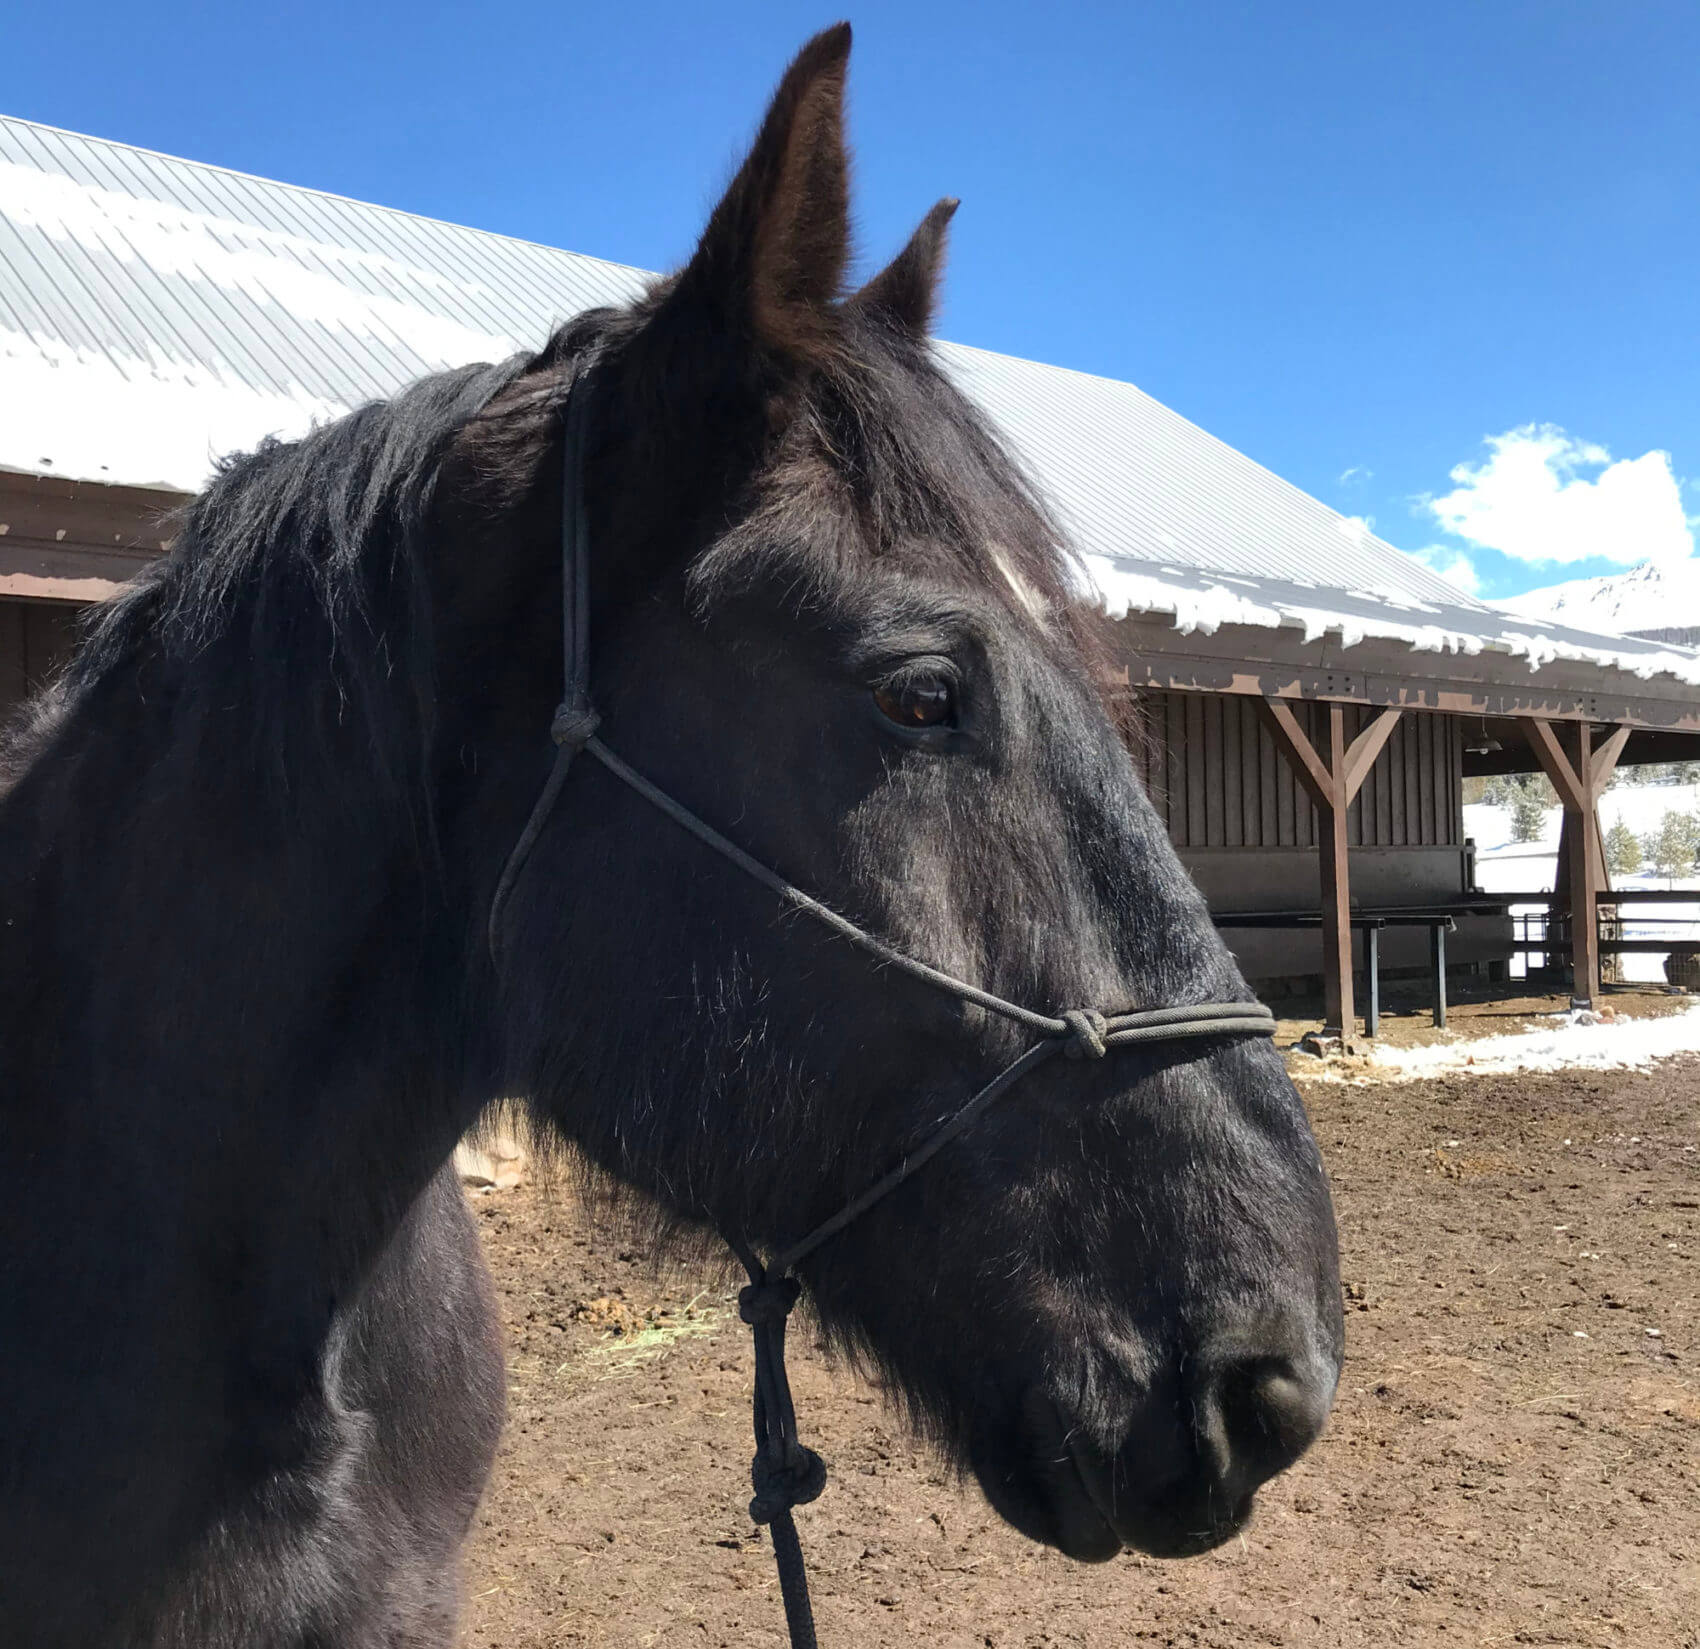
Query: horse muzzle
(1180, 1470)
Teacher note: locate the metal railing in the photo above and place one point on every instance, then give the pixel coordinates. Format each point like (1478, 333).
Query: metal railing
(1541, 934)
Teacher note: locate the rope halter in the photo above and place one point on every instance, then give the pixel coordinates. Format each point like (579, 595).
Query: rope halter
(785, 1474)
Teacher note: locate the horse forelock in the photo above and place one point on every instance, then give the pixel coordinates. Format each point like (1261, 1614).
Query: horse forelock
(883, 466)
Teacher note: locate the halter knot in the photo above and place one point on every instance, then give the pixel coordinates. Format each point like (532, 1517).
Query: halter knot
(794, 1482)
(769, 1301)
(574, 725)
(1086, 1033)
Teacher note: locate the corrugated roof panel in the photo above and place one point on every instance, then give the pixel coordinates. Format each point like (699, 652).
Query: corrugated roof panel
(134, 287)
(1133, 479)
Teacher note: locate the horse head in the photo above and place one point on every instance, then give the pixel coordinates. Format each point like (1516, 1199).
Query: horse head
(827, 611)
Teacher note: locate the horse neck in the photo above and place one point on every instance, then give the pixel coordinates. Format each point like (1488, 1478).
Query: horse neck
(223, 997)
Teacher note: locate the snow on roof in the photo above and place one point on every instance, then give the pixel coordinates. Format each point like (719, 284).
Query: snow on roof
(156, 313)
(1202, 602)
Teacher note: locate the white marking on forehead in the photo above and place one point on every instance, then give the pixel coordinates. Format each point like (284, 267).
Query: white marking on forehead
(1031, 601)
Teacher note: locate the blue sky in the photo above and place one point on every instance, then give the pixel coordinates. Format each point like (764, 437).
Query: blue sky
(1436, 263)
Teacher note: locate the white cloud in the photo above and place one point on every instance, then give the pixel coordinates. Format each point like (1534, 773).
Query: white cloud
(1355, 473)
(1454, 566)
(1533, 501)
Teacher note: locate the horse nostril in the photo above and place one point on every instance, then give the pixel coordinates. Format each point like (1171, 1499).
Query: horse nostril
(1259, 1414)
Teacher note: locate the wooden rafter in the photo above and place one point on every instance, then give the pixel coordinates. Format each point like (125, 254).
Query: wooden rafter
(1294, 743)
(1272, 664)
(1571, 786)
(1369, 744)
(1605, 761)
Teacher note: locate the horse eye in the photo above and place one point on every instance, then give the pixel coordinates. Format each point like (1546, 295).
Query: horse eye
(917, 701)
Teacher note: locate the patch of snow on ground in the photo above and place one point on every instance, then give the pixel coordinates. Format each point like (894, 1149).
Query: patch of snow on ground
(1574, 1043)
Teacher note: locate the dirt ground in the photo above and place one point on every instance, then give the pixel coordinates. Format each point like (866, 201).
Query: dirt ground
(1514, 1459)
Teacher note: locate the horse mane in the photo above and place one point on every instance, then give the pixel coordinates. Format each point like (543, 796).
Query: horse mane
(300, 563)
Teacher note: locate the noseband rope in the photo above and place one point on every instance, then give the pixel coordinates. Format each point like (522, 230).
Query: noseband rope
(785, 1473)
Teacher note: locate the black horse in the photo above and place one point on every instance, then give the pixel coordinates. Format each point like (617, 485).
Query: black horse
(251, 1383)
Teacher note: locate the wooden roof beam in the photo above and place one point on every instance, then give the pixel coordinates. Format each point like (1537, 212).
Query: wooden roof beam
(1294, 743)
(1369, 743)
(1570, 785)
(1604, 763)
(1276, 664)
(1328, 783)
(1331, 780)
(1577, 789)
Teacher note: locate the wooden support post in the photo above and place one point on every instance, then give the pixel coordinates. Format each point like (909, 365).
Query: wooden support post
(1600, 770)
(1600, 879)
(1584, 923)
(1580, 777)
(1331, 780)
(1339, 1011)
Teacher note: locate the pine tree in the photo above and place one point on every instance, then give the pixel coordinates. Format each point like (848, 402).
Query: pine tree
(1528, 816)
(1623, 850)
(1670, 848)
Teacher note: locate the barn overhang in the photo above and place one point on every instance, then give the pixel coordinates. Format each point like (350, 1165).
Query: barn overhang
(1566, 703)
(77, 541)
(1146, 651)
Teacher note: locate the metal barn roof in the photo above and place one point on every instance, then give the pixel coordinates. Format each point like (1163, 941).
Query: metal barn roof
(156, 313)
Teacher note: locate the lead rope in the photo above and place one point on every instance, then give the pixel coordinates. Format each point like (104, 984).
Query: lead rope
(785, 1474)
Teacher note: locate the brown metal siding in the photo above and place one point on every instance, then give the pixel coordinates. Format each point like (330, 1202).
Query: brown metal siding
(1217, 779)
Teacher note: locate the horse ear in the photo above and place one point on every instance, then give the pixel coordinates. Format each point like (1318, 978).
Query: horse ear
(700, 371)
(771, 261)
(905, 292)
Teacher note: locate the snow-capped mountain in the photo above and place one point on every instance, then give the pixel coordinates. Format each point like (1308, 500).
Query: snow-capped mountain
(1646, 597)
